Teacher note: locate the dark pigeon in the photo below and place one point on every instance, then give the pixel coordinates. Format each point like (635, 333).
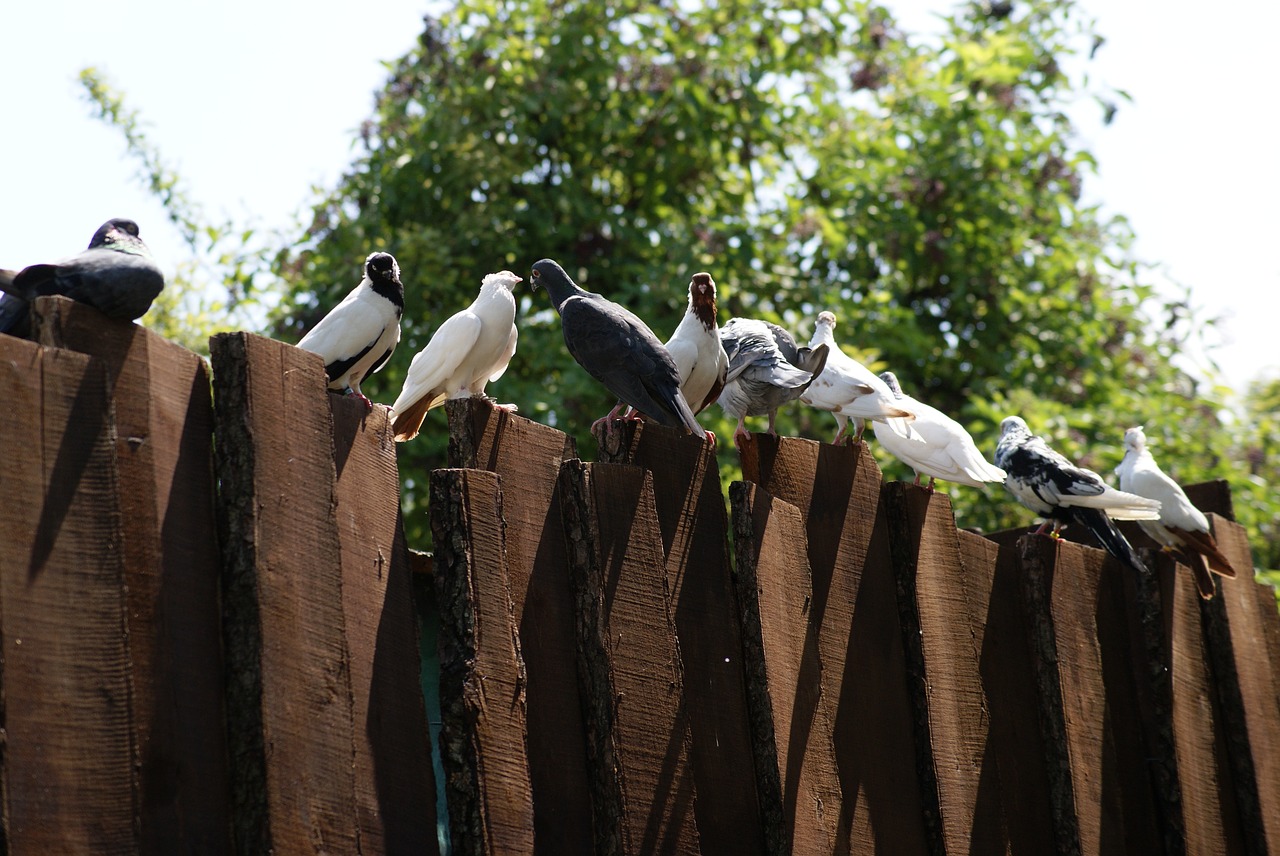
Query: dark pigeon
(115, 275)
(358, 335)
(766, 370)
(1059, 491)
(617, 349)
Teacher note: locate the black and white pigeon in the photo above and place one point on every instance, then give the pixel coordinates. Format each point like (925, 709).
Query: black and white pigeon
(695, 346)
(1182, 528)
(115, 275)
(358, 335)
(470, 349)
(1059, 491)
(766, 370)
(617, 349)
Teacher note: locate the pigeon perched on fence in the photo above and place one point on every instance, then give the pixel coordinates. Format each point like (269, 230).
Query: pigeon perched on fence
(1182, 529)
(358, 335)
(695, 346)
(617, 349)
(766, 370)
(847, 388)
(115, 275)
(1054, 488)
(933, 444)
(466, 352)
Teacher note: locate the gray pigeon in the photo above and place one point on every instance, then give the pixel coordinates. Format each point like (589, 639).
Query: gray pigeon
(617, 349)
(115, 275)
(766, 370)
(1059, 491)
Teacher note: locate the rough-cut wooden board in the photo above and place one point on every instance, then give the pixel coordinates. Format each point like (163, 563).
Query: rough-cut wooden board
(795, 763)
(164, 456)
(1235, 624)
(950, 712)
(1012, 790)
(288, 688)
(481, 672)
(527, 456)
(394, 786)
(1209, 810)
(1080, 644)
(629, 663)
(691, 516)
(67, 773)
(865, 694)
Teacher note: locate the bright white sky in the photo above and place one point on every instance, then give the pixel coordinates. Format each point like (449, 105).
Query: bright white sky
(256, 103)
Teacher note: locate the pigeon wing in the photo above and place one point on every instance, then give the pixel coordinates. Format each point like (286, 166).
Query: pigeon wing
(425, 384)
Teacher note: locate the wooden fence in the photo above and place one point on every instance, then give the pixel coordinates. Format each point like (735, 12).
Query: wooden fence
(210, 640)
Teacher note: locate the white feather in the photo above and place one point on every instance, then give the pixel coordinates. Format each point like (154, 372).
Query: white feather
(699, 357)
(363, 320)
(1140, 474)
(470, 349)
(846, 387)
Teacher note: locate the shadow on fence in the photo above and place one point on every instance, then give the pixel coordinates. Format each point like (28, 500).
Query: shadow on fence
(207, 614)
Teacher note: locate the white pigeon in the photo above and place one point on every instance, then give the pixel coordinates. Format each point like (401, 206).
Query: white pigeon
(847, 388)
(1182, 529)
(933, 444)
(358, 335)
(696, 349)
(469, 350)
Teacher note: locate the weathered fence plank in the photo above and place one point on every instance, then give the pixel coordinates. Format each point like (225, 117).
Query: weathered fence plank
(1236, 622)
(950, 708)
(1087, 694)
(629, 663)
(481, 672)
(865, 694)
(289, 690)
(795, 764)
(67, 771)
(694, 526)
(394, 784)
(164, 457)
(1013, 787)
(527, 455)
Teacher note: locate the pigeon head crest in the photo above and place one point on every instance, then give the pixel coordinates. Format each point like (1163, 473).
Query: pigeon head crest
(115, 231)
(891, 380)
(502, 279)
(828, 318)
(1013, 425)
(382, 266)
(1135, 438)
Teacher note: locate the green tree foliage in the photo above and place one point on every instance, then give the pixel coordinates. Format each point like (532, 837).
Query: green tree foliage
(810, 156)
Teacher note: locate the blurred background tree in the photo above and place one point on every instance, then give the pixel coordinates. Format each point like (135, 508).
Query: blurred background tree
(810, 156)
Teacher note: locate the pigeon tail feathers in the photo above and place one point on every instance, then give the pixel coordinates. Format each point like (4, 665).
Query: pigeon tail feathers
(1111, 538)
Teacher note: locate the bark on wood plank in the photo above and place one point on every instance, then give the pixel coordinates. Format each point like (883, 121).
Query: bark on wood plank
(629, 663)
(1209, 809)
(482, 678)
(837, 489)
(1247, 692)
(793, 751)
(164, 455)
(68, 771)
(395, 789)
(694, 526)
(1088, 699)
(950, 712)
(289, 690)
(527, 456)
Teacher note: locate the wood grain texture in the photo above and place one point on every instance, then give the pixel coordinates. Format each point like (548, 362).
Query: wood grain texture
(68, 771)
(629, 663)
(527, 456)
(795, 763)
(855, 613)
(289, 691)
(164, 456)
(395, 789)
(950, 715)
(482, 680)
(1235, 623)
(694, 526)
